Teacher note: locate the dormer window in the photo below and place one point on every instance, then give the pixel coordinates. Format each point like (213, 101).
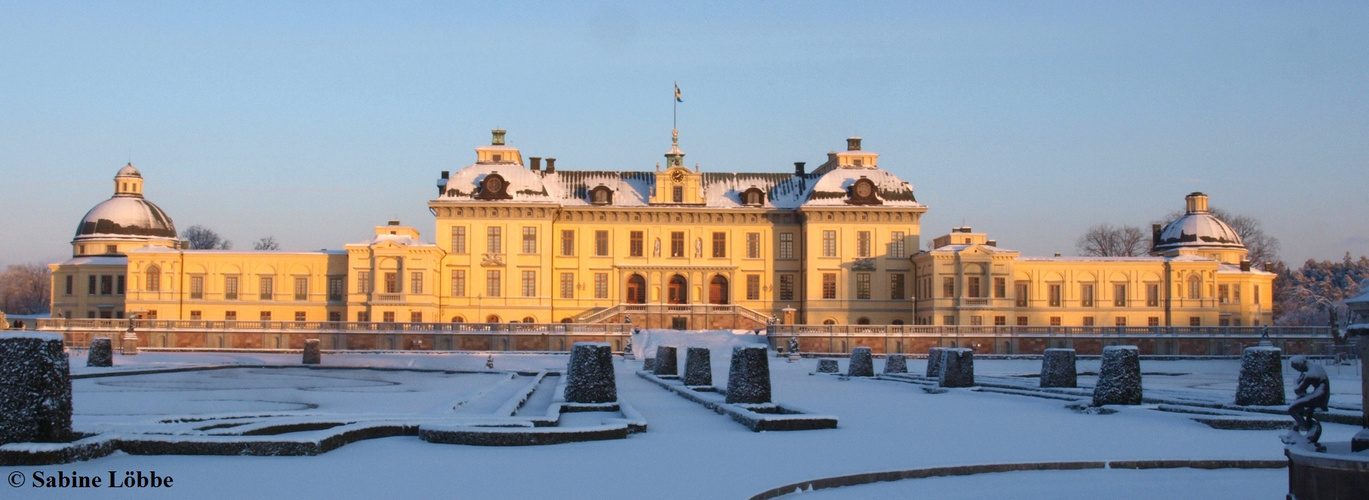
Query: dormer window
(601, 195)
(493, 187)
(863, 192)
(858, 161)
(499, 158)
(677, 194)
(753, 197)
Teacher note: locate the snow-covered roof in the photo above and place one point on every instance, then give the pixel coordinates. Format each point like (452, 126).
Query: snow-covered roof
(634, 188)
(398, 239)
(1088, 258)
(125, 215)
(945, 249)
(128, 171)
(832, 186)
(1198, 229)
(95, 261)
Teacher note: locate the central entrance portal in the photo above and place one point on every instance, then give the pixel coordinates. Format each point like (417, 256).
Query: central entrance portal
(678, 290)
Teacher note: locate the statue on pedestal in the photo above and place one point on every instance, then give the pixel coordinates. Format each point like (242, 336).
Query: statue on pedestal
(1314, 392)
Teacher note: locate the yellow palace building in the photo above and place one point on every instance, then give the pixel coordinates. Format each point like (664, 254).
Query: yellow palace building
(516, 240)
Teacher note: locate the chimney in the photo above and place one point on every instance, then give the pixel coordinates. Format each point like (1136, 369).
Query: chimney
(551, 165)
(498, 139)
(853, 144)
(1057, 254)
(1154, 235)
(535, 163)
(992, 243)
(1245, 264)
(393, 222)
(442, 183)
(798, 169)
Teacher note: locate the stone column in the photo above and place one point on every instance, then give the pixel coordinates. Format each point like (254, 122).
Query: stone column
(1119, 378)
(1057, 368)
(666, 364)
(698, 368)
(895, 363)
(957, 368)
(1261, 381)
(748, 377)
(312, 354)
(101, 353)
(861, 365)
(589, 376)
(934, 361)
(35, 389)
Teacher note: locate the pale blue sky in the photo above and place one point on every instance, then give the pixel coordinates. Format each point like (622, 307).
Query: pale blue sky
(1030, 121)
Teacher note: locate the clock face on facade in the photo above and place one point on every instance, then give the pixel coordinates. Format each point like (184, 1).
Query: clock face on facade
(678, 176)
(864, 189)
(494, 185)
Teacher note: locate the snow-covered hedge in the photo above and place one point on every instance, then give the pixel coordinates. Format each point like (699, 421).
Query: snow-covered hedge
(957, 368)
(934, 361)
(828, 366)
(589, 377)
(666, 364)
(748, 377)
(896, 363)
(860, 365)
(101, 353)
(698, 368)
(312, 354)
(1119, 378)
(1261, 377)
(35, 389)
(1057, 368)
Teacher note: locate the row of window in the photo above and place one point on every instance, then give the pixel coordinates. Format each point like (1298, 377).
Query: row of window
(494, 243)
(1056, 321)
(266, 288)
(1226, 293)
(864, 244)
(107, 284)
(896, 288)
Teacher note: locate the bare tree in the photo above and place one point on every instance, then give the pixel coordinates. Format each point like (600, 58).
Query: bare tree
(1106, 240)
(266, 243)
(203, 238)
(26, 289)
(1261, 247)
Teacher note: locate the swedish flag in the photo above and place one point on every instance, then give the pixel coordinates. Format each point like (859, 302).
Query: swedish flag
(677, 93)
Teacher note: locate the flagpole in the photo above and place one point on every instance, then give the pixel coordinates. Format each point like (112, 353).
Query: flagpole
(674, 108)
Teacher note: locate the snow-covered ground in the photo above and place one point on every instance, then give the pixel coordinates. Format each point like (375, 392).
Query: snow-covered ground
(688, 451)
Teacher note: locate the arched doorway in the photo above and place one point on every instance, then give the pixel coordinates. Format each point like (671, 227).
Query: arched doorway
(636, 289)
(678, 290)
(717, 290)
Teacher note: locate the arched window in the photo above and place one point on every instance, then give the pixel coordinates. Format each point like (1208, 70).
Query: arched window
(493, 318)
(753, 197)
(601, 195)
(1195, 287)
(829, 321)
(717, 290)
(566, 320)
(529, 319)
(458, 319)
(154, 279)
(896, 322)
(678, 290)
(863, 321)
(636, 289)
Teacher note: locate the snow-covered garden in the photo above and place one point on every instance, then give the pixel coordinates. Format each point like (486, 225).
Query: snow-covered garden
(687, 450)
